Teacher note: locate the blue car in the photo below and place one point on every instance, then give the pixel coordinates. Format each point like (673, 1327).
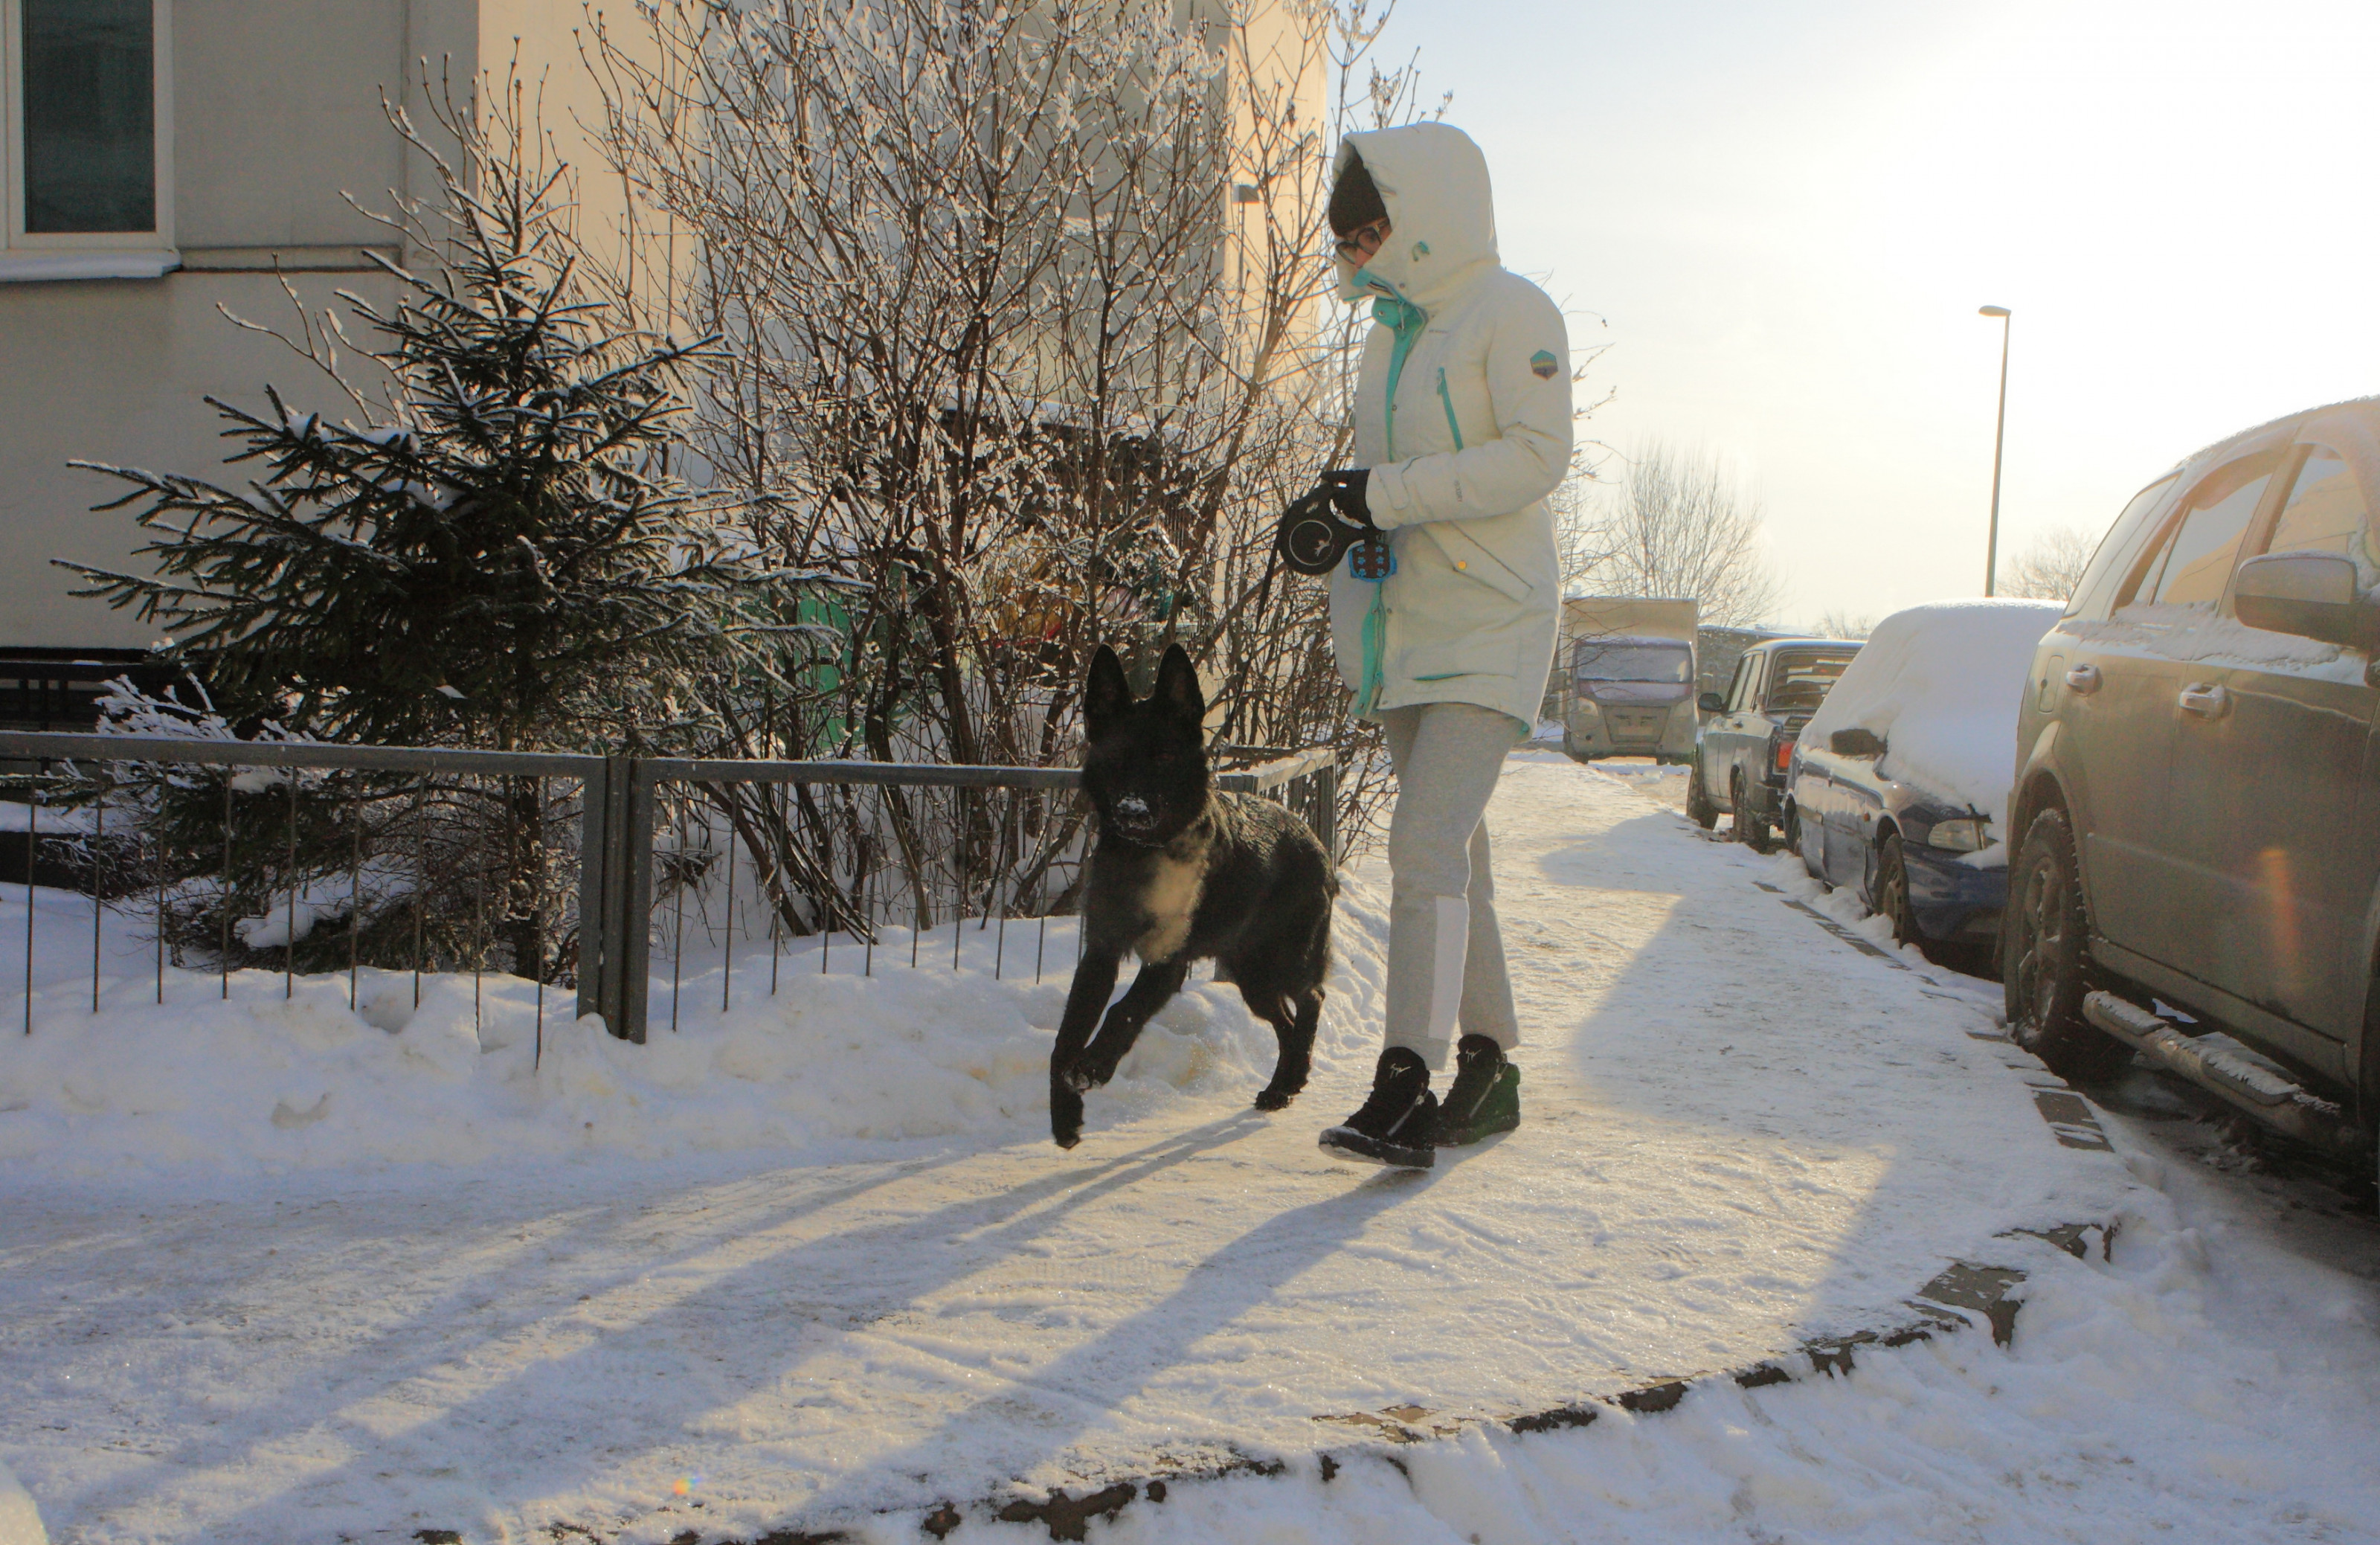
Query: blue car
(1896, 789)
(1910, 856)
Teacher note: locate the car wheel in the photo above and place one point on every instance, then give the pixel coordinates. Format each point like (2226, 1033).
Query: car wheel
(1699, 808)
(1792, 831)
(2045, 960)
(1891, 897)
(1750, 826)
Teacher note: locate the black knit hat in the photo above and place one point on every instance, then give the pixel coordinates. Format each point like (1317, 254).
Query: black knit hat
(1354, 202)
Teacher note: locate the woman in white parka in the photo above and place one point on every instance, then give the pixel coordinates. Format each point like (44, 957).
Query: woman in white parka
(1463, 427)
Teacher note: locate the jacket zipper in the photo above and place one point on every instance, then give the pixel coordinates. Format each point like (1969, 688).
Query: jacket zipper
(1447, 398)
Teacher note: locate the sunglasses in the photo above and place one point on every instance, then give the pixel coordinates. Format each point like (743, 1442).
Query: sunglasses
(1354, 244)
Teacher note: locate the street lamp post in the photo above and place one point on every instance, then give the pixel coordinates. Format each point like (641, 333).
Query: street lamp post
(2000, 434)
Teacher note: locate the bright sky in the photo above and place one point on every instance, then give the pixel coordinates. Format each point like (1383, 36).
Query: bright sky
(1782, 217)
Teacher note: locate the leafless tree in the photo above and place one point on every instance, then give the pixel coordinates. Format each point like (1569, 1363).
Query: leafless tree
(1580, 540)
(2051, 567)
(1022, 306)
(1844, 624)
(1675, 522)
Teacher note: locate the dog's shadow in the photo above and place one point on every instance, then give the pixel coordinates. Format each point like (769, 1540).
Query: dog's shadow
(1141, 1351)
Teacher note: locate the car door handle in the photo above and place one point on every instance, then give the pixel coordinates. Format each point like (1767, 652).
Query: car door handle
(2084, 679)
(2206, 699)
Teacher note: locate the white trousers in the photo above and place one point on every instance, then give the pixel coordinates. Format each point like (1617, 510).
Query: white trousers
(1446, 957)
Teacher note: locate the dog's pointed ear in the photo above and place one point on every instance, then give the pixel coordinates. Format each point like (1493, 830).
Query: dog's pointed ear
(1177, 686)
(1106, 694)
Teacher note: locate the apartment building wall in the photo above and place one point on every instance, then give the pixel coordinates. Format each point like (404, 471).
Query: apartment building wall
(269, 121)
(270, 134)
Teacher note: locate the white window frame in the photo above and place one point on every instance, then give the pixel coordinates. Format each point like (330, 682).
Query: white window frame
(83, 254)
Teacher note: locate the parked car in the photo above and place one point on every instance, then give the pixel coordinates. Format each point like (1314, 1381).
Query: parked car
(1742, 750)
(2194, 811)
(1716, 649)
(1899, 785)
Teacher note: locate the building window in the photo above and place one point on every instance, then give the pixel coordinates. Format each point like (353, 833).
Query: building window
(85, 139)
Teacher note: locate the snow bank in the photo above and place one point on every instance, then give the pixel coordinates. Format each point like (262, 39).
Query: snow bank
(1941, 684)
(260, 1081)
(20, 1522)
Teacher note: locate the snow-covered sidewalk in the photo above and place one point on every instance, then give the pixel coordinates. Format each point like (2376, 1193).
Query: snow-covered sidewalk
(815, 1263)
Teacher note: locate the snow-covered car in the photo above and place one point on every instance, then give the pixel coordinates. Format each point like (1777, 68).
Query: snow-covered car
(2194, 819)
(1743, 749)
(1901, 780)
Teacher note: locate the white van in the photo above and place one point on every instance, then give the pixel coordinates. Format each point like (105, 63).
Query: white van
(1629, 696)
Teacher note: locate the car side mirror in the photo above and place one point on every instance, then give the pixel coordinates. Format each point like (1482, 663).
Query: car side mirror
(1711, 702)
(2312, 595)
(1855, 742)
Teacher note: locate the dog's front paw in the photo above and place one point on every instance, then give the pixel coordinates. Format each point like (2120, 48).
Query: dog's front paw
(1065, 1114)
(1094, 1068)
(1274, 1098)
(1072, 1076)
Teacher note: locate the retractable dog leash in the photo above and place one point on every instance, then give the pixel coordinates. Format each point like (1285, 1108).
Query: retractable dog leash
(1312, 538)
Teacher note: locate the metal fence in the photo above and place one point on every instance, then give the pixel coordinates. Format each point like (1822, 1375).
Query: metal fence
(579, 871)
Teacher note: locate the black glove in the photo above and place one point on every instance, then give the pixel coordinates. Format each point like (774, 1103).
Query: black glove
(1347, 494)
(1312, 538)
(1316, 531)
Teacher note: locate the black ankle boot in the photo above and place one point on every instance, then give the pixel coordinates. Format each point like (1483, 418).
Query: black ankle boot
(1396, 1124)
(1486, 1098)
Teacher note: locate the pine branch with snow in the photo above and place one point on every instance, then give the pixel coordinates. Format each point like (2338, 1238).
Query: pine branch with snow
(501, 551)
(488, 543)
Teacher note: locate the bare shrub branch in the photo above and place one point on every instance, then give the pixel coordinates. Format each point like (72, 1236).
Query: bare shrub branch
(1023, 336)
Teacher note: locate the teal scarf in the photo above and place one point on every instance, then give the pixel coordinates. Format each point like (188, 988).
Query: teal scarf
(1405, 320)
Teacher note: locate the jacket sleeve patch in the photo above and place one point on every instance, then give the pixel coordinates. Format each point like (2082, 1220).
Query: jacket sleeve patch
(1542, 364)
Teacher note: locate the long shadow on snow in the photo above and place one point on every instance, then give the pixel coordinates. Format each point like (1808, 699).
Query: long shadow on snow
(387, 1359)
(1125, 1358)
(605, 1441)
(1776, 1052)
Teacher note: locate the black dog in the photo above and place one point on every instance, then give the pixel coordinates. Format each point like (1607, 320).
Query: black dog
(1184, 873)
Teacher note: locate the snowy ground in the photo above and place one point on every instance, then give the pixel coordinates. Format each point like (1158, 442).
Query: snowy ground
(274, 1271)
(1665, 782)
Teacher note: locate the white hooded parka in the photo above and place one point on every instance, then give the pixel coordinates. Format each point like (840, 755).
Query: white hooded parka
(1462, 414)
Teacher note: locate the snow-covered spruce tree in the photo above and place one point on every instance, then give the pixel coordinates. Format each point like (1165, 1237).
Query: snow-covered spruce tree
(487, 546)
(496, 552)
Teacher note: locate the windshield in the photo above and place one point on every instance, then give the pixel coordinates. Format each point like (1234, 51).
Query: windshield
(1634, 663)
(1798, 679)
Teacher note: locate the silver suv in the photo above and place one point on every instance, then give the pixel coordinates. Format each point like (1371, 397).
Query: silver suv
(2194, 812)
